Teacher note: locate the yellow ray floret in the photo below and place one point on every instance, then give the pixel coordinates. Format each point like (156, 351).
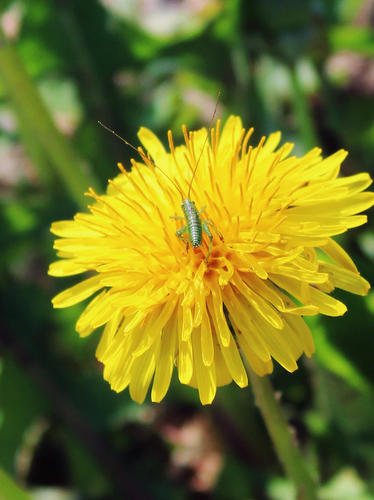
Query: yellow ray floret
(273, 260)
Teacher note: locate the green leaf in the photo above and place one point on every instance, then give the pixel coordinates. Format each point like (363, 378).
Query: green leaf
(335, 361)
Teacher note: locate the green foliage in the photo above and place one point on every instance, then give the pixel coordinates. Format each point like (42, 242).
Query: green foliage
(279, 65)
(359, 40)
(9, 490)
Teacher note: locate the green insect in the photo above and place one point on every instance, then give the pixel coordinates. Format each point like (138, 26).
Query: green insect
(195, 226)
(192, 232)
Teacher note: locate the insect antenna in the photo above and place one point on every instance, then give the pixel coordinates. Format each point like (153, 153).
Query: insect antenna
(142, 155)
(206, 140)
(118, 136)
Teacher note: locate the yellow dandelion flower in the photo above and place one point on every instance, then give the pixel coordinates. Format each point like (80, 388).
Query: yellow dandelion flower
(273, 260)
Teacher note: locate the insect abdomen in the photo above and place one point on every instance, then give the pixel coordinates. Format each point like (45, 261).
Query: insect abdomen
(193, 222)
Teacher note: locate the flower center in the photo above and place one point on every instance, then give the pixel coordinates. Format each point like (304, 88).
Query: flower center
(219, 265)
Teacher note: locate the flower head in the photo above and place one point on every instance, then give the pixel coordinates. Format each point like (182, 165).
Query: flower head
(272, 217)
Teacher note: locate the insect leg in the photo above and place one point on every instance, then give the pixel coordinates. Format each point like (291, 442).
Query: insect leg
(208, 223)
(201, 210)
(176, 217)
(206, 230)
(180, 233)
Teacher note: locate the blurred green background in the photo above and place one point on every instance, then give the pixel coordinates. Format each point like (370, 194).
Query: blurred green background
(303, 67)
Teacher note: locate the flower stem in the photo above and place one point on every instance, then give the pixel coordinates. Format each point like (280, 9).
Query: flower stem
(36, 122)
(288, 453)
(302, 110)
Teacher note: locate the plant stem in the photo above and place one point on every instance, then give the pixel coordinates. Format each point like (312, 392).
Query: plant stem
(302, 111)
(287, 451)
(35, 150)
(38, 124)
